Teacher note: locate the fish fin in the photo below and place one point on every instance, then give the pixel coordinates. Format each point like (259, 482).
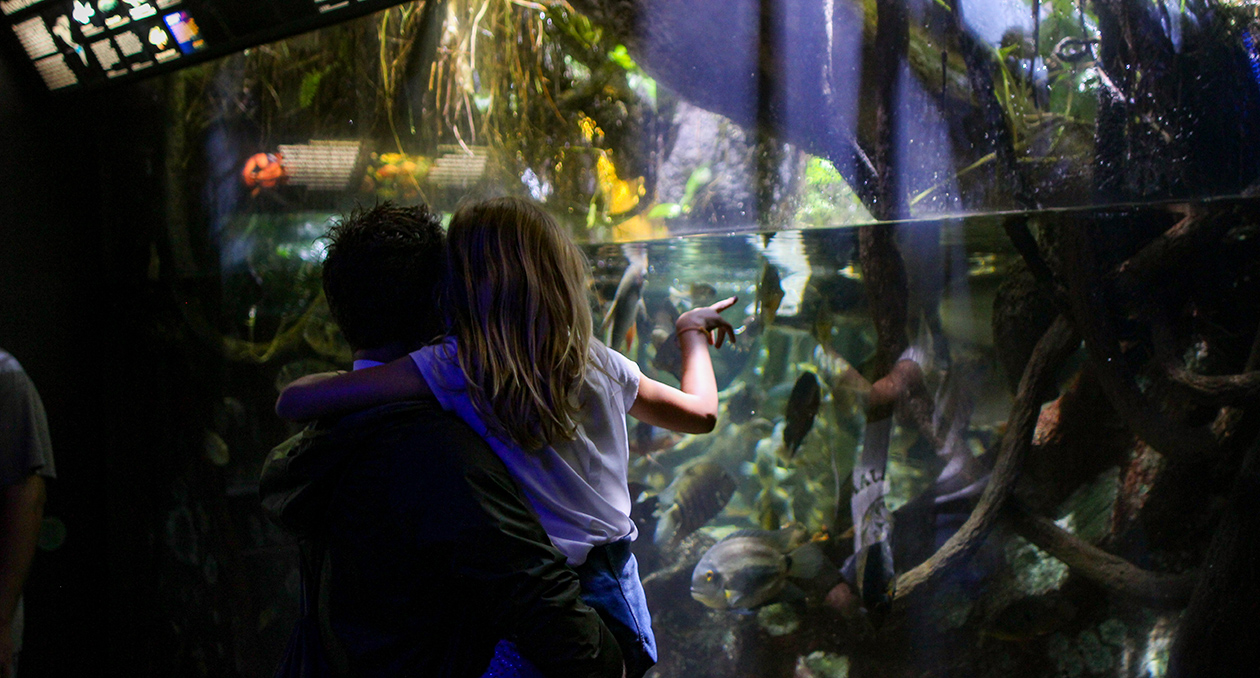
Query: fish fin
(807, 562)
(876, 578)
(606, 325)
(784, 538)
(749, 532)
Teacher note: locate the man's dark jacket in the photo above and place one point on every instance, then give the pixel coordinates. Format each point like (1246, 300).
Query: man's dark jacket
(434, 553)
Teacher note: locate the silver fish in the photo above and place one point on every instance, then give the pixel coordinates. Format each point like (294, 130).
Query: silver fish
(627, 303)
(751, 568)
(698, 494)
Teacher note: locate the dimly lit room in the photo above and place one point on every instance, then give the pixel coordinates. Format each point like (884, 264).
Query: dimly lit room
(687, 339)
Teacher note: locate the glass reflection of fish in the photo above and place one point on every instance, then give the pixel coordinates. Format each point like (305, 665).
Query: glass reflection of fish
(698, 494)
(751, 568)
(769, 294)
(627, 303)
(802, 407)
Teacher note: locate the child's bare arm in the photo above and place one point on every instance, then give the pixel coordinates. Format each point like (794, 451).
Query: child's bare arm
(321, 395)
(693, 408)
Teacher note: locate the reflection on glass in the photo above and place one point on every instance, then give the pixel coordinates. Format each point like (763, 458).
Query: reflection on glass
(905, 196)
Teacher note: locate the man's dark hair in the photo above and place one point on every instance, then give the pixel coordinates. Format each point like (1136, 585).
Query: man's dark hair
(381, 275)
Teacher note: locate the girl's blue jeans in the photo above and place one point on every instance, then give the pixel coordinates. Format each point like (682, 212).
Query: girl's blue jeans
(611, 586)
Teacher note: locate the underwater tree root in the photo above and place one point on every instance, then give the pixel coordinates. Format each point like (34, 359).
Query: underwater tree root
(1092, 318)
(1212, 390)
(1168, 251)
(887, 293)
(1055, 346)
(1216, 637)
(1220, 391)
(1016, 228)
(1109, 571)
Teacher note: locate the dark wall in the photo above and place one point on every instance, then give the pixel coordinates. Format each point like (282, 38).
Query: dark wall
(54, 317)
(161, 573)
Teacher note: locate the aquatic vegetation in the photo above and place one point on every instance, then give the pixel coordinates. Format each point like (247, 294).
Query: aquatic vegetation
(778, 619)
(396, 176)
(823, 665)
(1037, 572)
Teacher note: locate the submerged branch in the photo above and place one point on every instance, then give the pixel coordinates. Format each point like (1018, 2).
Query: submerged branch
(1210, 390)
(1054, 348)
(1016, 228)
(285, 340)
(1092, 318)
(1170, 249)
(1218, 391)
(887, 292)
(1112, 572)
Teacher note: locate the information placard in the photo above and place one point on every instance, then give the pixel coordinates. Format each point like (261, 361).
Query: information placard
(81, 44)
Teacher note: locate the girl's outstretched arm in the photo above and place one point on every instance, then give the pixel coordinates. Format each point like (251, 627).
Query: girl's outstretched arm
(693, 409)
(322, 395)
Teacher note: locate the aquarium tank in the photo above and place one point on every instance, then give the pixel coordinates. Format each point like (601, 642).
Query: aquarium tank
(993, 401)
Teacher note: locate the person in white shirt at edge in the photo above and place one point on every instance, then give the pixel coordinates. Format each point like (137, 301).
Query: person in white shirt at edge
(25, 462)
(519, 364)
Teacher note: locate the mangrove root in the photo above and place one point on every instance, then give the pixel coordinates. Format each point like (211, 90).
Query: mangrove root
(1112, 572)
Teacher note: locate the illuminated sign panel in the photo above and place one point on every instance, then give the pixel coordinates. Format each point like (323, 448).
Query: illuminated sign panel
(12, 6)
(77, 44)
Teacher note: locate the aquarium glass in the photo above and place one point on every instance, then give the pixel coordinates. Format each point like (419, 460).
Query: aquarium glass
(997, 270)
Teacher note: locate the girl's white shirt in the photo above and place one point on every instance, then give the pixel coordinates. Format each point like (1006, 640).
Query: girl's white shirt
(577, 487)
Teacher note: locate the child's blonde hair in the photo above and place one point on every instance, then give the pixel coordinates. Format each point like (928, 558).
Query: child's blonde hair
(518, 308)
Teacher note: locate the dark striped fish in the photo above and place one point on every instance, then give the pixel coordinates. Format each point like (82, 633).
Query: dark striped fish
(751, 568)
(698, 494)
(802, 407)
